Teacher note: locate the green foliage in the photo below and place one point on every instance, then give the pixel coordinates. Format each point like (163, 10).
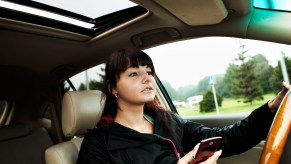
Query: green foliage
(208, 104)
(203, 85)
(225, 87)
(263, 71)
(171, 91)
(245, 84)
(186, 92)
(277, 77)
(257, 68)
(82, 87)
(94, 84)
(229, 106)
(246, 79)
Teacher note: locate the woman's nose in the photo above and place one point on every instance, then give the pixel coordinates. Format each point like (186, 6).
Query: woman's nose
(146, 78)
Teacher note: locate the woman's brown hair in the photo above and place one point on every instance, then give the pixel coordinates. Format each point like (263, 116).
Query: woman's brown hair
(116, 64)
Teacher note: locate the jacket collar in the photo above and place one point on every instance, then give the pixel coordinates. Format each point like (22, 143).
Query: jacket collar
(122, 137)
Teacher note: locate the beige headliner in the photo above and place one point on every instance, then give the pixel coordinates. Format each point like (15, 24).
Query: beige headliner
(199, 12)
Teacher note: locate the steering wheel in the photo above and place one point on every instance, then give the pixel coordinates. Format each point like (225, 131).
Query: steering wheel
(278, 133)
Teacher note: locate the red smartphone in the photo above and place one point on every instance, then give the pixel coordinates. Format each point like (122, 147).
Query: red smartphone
(206, 149)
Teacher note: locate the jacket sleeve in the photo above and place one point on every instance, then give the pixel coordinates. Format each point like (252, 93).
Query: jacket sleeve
(237, 138)
(93, 150)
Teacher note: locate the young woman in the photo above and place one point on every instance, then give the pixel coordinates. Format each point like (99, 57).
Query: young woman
(135, 129)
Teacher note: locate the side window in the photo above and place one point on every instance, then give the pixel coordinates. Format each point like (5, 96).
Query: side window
(91, 79)
(220, 75)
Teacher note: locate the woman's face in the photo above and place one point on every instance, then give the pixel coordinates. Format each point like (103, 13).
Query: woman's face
(136, 86)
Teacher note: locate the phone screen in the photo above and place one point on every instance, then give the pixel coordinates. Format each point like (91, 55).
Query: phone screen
(206, 149)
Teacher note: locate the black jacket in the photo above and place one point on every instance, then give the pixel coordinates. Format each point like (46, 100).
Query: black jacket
(119, 144)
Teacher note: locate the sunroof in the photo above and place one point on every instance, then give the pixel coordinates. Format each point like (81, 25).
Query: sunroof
(89, 17)
(31, 10)
(284, 5)
(89, 8)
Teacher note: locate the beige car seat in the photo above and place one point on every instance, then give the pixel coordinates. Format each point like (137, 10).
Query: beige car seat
(19, 143)
(81, 111)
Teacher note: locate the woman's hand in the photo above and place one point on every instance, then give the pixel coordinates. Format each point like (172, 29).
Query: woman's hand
(274, 104)
(189, 157)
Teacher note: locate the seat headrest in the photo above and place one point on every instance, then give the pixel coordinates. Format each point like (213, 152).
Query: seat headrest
(81, 111)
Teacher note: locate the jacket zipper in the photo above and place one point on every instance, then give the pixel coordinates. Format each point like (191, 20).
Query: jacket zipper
(174, 147)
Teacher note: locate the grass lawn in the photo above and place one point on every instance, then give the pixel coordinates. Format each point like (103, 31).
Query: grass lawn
(229, 106)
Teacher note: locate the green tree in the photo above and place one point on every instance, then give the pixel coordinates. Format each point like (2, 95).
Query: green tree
(187, 91)
(277, 77)
(227, 81)
(98, 85)
(82, 87)
(203, 85)
(94, 84)
(245, 83)
(263, 71)
(208, 104)
(172, 91)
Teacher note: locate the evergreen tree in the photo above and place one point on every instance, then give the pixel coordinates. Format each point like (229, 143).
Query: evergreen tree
(95, 85)
(263, 71)
(172, 91)
(203, 85)
(245, 84)
(208, 104)
(277, 77)
(82, 87)
(227, 81)
(187, 91)
(98, 85)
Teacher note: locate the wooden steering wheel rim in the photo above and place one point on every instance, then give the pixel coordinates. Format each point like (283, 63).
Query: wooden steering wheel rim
(278, 133)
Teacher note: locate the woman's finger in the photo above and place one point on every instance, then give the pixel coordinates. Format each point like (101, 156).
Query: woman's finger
(189, 156)
(213, 158)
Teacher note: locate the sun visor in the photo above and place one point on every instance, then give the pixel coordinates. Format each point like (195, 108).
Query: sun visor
(196, 12)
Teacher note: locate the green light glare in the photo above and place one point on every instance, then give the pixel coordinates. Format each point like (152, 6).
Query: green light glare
(273, 4)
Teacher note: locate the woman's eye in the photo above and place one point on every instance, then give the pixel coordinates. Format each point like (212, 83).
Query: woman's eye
(133, 74)
(150, 73)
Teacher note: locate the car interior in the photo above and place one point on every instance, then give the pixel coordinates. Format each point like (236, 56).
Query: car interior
(43, 116)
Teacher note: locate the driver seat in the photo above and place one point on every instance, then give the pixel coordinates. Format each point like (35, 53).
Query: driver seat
(81, 111)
